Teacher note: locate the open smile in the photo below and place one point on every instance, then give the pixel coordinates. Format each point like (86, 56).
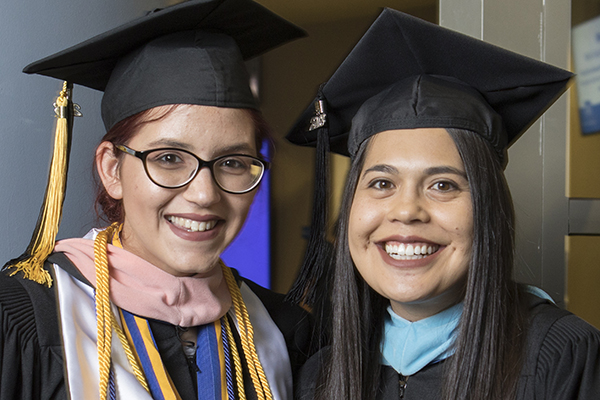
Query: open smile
(191, 225)
(410, 251)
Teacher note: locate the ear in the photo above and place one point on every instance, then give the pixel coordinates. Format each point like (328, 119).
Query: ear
(107, 164)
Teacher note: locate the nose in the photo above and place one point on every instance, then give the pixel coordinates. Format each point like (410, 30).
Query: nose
(408, 206)
(202, 190)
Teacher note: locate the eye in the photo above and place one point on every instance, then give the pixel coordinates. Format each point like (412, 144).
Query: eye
(232, 163)
(381, 184)
(444, 186)
(168, 159)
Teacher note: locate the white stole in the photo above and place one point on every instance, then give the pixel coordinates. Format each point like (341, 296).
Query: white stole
(77, 317)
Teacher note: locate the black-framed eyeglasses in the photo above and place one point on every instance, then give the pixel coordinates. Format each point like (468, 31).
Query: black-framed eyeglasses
(173, 168)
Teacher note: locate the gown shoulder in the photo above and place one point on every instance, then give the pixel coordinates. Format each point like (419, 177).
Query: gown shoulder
(31, 360)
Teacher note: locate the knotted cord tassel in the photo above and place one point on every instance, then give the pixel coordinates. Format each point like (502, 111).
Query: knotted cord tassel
(31, 263)
(257, 374)
(103, 310)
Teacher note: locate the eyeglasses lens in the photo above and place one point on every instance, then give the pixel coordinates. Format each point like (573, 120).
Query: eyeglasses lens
(174, 168)
(237, 173)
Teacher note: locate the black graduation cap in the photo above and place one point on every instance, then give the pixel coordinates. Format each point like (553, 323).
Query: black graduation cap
(425, 76)
(188, 53)
(407, 73)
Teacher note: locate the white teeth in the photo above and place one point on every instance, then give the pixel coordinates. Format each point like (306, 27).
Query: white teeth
(191, 225)
(410, 251)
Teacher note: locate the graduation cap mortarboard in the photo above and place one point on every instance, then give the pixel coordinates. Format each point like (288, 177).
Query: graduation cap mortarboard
(189, 53)
(407, 73)
(424, 70)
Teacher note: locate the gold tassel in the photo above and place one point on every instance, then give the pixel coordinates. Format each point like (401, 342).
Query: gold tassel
(246, 331)
(42, 241)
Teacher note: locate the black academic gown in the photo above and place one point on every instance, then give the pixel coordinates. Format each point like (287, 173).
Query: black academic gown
(31, 356)
(563, 363)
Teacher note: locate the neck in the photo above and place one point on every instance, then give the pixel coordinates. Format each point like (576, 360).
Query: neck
(416, 311)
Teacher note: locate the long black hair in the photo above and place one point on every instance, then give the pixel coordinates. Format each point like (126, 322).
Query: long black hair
(489, 343)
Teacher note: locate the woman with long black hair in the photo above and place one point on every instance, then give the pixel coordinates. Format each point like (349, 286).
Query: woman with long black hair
(419, 300)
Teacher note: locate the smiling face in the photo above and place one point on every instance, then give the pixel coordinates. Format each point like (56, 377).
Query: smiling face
(410, 228)
(181, 231)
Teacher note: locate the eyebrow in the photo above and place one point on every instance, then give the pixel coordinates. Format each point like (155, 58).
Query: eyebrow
(446, 169)
(234, 148)
(169, 143)
(388, 169)
(238, 147)
(443, 169)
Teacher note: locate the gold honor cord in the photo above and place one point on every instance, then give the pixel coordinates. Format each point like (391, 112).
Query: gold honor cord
(259, 379)
(239, 376)
(42, 241)
(106, 321)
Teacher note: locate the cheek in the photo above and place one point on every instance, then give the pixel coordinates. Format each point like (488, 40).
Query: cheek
(364, 218)
(363, 222)
(457, 221)
(463, 243)
(130, 177)
(139, 193)
(464, 229)
(240, 204)
(355, 229)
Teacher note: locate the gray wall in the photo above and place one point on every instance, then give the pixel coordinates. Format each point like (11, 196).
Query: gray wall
(30, 30)
(536, 171)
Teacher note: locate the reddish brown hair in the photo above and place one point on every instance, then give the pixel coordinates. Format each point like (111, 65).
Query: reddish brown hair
(111, 210)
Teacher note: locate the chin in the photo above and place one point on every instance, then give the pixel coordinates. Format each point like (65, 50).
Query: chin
(198, 266)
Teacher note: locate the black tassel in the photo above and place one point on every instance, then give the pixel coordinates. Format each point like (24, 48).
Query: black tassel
(310, 285)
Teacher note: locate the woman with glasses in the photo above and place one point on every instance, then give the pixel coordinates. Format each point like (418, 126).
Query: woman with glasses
(145, 308)
(423, 305)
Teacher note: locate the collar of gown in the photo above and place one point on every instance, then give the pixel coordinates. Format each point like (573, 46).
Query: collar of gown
(147, 291)
(410, 346)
